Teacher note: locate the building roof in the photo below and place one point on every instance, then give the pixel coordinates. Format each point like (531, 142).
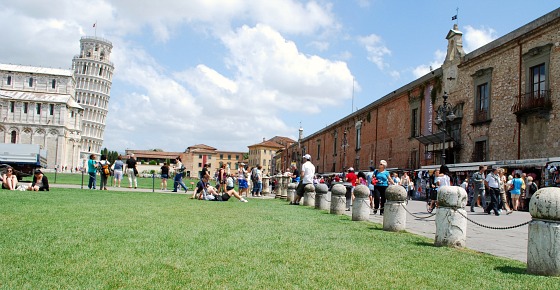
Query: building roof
(269, 144)
(36, 70)
(154, 154)
(40, 97)
(201, 146)
(282, 140)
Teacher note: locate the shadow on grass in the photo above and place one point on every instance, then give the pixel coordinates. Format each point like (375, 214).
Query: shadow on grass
(425, 244)
(513, 270)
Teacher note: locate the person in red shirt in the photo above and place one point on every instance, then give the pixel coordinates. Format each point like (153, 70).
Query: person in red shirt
(352, 178)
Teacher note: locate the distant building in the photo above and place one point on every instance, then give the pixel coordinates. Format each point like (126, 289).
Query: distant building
(37, 106)
(264, 153)
(194, 158)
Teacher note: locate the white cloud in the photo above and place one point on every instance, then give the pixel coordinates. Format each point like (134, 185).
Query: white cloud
(421, 70)
(376, 50)
(475, 38)
(265, 77)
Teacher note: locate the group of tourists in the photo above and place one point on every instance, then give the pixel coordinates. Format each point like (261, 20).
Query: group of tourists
(106, 170)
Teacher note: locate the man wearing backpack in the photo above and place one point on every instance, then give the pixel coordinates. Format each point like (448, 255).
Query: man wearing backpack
(256, 178)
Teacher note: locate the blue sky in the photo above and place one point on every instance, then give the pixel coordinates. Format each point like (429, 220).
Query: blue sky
(229, 73)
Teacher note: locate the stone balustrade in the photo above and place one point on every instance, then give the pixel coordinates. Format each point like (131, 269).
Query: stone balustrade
(360, 207)
(451, 224)
(543, 250)
(309, 195)
(321, 201)
(394, 215)
(338, 199)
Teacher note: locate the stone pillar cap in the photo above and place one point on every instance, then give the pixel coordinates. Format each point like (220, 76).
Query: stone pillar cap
(321, 188)
(395, 193)
(545, 204)
(361, 191)
(338, 189)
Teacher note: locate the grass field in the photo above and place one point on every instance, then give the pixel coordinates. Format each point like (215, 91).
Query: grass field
(76, 178)
(74, 239)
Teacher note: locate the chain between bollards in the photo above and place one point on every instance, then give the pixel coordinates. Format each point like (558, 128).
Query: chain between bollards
(418, 217)
(492, 228)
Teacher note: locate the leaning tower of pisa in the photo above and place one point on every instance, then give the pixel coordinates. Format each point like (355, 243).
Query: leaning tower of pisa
(93, 72)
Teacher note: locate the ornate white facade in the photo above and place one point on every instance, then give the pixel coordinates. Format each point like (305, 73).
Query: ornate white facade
(37, 106)
(93, 72)
(64, 111)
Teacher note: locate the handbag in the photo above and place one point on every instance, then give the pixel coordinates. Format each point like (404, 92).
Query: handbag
(135, 171)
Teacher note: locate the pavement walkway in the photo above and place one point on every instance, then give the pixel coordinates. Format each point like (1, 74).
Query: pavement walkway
(511, 243)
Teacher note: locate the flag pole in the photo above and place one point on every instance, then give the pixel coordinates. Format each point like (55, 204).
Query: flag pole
(95, 29)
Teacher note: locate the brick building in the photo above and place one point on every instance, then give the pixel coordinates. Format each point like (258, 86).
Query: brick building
(504, 97)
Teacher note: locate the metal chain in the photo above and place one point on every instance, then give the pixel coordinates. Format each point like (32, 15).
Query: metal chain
(492, 228)
(325, 197)
(418, 217)
(371, 206)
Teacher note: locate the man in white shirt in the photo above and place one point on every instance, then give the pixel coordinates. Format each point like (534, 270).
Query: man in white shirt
(306, 177)
(493, 181)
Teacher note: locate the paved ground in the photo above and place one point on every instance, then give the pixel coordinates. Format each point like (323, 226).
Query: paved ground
(505, 243)
(510, 243)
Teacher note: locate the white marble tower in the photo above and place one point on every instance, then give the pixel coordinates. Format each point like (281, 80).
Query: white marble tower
(93, 73)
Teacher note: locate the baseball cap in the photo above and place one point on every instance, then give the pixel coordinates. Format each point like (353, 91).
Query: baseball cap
(351, 169)
(307, 156)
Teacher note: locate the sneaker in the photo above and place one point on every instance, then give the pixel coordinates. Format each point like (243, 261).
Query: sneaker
(472, 209)
(243, 200)
(509, 211)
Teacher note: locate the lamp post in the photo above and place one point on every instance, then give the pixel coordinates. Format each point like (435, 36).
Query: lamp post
(444, 113)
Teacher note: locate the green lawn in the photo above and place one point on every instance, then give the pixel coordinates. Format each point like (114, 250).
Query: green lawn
(78, 239)
(76, 178)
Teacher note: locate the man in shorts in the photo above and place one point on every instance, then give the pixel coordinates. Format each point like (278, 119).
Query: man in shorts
(306, 177)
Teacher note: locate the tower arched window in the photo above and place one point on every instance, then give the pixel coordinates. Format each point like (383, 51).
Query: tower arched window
(13, 136)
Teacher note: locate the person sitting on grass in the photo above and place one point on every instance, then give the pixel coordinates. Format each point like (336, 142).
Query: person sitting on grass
(9, 179)
(203, 189)
(230, 190)
(40, 182)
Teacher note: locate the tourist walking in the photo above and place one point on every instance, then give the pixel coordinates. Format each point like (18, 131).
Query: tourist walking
(118, 169)
(164, 175)
(515, 190)
(493, 181)
(479, 187)
(434, 188)
(92, 171)
(257, 178)
(242, 180)
(503, 189)
(383, 178)
(179, 172)
(104, 166)
(131, 171)
(371, 181)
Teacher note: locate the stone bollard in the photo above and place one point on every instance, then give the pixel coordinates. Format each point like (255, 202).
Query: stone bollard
(266, 187)
(338, 199)
(543, 249)
(278, 188)
(451, 226)
(285, 182)
(309, 195)
(291, 191)
(321, 201)
(394, 216)
(360, 207)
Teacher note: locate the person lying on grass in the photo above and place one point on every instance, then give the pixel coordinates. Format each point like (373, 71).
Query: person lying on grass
(206, 192)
